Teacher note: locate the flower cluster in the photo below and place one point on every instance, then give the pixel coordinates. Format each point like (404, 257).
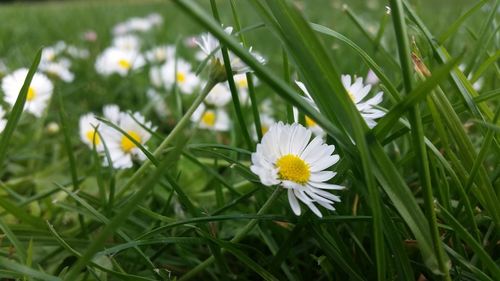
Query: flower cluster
(121, 148)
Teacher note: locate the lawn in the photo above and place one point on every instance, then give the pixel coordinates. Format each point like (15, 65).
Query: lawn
(300, 140)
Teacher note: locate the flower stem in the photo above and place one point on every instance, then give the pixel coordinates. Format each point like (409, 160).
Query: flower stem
(237, 238)
(185, 120)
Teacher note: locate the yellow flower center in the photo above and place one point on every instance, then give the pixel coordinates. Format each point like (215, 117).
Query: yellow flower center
(292, 168)
(125, 64)
(351, 95)
(310, 122)
(31, 94)
(181, 77)
(242, 83)
(264, 129)
(93, 137)
(208, 118)
(127, 144)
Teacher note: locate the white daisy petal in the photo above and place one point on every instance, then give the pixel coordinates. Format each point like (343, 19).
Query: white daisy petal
(293, 202)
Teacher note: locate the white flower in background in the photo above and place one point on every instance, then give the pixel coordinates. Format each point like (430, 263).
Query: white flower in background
(155, 76)
(358, 92)
(114, 60)
(127, 42)
(3, 121)
(112, 113)
(59, 69)
(211, 47)
(90, 35)
(122, 150)
(215, 119)
(89, 126)
(371, 78)
(240, 80)
(285, 157)
(77, 53)
(138, 24)
(155, 19)
(219, 96)
(310, 123)
(478, 85)
(161, 54)
(158, 102)
(266, 122)
(39, 92)
(49, 54)
(3, 68)
(179, 72)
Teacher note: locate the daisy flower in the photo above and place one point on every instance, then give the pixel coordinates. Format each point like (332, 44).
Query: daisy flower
(59, 69)
(211, 47)
(88, 131)
(127, 42)
(160, 54)
(112, 113)
(358, 92)
(179, 72)
(266, 122)
(219, 96)
(372, 78)
(240, 80)
(310, 123)
(3, 121)
(39, 92)
(158, 102)
(122, 150)
(288, 158)
(211, 118)
(114, 60)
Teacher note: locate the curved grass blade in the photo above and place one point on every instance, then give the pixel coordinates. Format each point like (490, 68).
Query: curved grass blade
(456, 25)
(27, 271)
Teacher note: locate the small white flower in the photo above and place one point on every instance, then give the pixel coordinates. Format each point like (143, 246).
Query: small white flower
(158, 102)
(122, 150)
(358, 92)
(155, 19)
(179, 72)
(266, 122)
(112, 113)
(77, 53)
(59, 69)
(240, 80)
(127, 42)
(89, 126)
(3, 121)
(219, 96)
(310, 123)
(210, 46)
(39, 92)
(371, 78)
(288, 158)
(212, 119)
(114, 60)
(161, 54)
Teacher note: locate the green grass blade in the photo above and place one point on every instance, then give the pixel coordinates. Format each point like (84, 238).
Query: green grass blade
(456, 25)
(27, 271)
(17, 110)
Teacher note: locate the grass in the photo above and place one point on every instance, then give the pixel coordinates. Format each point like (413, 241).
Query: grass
(422, 186)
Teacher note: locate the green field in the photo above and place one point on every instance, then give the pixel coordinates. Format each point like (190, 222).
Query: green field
(195, 183)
